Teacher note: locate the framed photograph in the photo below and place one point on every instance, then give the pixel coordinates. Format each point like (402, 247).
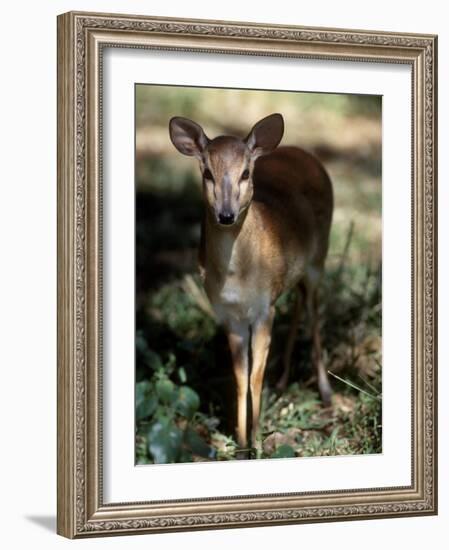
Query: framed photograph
(246, 274)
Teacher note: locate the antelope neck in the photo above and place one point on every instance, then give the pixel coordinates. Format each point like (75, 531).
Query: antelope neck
(220, 242)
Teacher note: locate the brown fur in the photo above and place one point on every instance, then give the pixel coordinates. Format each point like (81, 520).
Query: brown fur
(287, 222)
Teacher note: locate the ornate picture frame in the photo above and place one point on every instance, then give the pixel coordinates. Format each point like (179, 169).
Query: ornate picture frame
(82, 38)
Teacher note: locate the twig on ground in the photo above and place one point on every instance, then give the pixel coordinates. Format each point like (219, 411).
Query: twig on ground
(355, 386)
(190, 286)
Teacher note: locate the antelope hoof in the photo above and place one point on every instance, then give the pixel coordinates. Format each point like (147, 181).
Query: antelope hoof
(256, 448)
(243, 454)
(326, 393)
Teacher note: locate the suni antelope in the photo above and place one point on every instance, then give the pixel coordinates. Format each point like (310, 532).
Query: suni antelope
(265, 230)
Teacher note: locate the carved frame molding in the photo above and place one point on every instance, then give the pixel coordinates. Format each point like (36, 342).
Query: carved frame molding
(81, 39)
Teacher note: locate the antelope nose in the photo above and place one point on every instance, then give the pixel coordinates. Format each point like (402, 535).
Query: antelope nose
(226, 218)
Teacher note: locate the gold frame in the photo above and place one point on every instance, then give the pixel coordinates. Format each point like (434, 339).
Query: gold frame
(81, 38)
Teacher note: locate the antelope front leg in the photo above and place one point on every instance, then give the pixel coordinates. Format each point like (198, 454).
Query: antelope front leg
(260, 346)
(238, 338)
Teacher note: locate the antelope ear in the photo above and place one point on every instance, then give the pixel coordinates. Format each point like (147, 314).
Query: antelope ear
(266, 135)
(187, 136)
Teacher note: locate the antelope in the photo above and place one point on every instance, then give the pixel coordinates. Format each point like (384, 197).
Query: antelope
(265, 230)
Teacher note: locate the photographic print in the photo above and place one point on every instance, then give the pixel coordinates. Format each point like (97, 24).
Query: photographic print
(258, 274)
(247, 278)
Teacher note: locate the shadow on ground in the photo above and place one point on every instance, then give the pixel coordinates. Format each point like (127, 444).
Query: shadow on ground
(46, 522)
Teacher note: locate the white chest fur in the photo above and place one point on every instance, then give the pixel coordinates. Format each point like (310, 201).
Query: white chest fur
(233, 295)
(238, 303)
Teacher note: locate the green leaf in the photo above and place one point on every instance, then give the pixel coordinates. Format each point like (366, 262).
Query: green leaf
(188, 402)
(146, 401)
(284, 451)
(142, 389)
(141, 343)
(147, 356)
(147, 407)
(182, 375)
(185, 456)
(166, 391)
(197, 444)
(170, 363)
(164, 441)
(153, 360)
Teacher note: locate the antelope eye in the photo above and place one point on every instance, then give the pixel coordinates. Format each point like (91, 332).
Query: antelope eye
(245, 174)
(207, 175)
